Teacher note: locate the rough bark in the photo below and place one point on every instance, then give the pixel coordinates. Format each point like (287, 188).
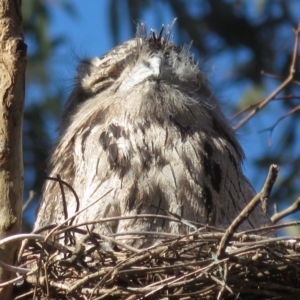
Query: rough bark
(12, 79)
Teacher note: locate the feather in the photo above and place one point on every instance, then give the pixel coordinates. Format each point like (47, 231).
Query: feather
(143, 121)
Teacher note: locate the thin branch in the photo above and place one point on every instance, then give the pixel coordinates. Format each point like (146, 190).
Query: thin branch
(286, 212)
(75, 214)
(20, 237)
(29, 200)
(255, 104)
(267, 188)
(271, 128)
(263, 196)
(270, 75)
(286, 82)
(61, 183)
(63, 196)
(269, 228)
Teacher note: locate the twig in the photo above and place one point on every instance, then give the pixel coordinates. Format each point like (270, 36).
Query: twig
(291, 209)
(270, 75)
(224, 287)
(61, 184)
(102, 236)
(75, 214)
(23, 236)
(290, 112)
(160, 287)
(104, 220)
(255, 104)
(29, 200)
(269, 228)
(63, 196)
(23, 296)
(263, 196)
(288, 80)
(267, 188)
(69, 239)
(120, 244)
(219, 282)
(9, 282)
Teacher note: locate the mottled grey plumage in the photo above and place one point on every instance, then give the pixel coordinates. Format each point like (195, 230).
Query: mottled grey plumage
(143, 122)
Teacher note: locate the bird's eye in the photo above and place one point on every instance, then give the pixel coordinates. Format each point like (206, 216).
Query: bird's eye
(167, 54)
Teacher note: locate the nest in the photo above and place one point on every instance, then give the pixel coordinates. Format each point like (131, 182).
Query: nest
(208, 264)
(189, 267)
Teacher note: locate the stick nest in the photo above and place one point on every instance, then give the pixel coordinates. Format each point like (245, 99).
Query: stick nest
(251, 267)
(207, 264)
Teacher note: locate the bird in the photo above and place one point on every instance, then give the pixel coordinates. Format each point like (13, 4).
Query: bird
(142, 135)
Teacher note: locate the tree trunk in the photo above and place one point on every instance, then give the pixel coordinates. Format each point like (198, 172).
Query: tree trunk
(12, 87)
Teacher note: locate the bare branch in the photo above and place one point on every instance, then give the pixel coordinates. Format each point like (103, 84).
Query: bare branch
(29, 200)
(286, 82)
(263, 196)
(290, 210)
(271, 128)
(257, 103)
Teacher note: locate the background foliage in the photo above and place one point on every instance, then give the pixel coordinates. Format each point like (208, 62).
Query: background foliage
(242, 37)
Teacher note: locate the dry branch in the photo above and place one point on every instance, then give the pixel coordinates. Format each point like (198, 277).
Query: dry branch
(263, 196)
(288, 211)
(283, 84)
